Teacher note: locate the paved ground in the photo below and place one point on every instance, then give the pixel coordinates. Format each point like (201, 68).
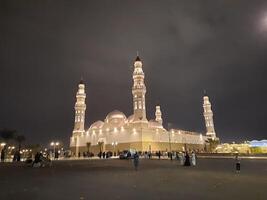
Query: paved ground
(116, 179)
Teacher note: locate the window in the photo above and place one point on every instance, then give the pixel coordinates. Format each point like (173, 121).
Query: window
(140, 105)
(135, 105)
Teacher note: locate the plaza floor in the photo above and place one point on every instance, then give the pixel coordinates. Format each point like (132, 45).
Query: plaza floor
(117, 179)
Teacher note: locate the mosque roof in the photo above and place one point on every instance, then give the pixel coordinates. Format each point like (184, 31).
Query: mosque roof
(154, 124)
(116, 114)
(96, 125)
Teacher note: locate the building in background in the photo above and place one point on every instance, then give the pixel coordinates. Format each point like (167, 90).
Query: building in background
(248, 147)
(117, 132)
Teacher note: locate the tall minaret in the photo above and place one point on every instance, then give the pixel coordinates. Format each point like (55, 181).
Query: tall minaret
(158, 115)
(80, 108)
(139, 92)
(208, 115)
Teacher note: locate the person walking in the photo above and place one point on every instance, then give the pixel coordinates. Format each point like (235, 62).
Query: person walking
(194, 159)
(136, 161)
(237, 164)
(187, 160)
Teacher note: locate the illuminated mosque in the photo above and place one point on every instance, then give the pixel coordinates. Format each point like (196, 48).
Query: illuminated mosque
(117, 132)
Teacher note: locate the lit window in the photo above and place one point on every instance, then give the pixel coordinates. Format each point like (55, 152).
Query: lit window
(140, 105)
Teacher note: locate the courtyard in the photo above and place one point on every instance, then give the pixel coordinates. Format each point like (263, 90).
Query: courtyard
(117, 179)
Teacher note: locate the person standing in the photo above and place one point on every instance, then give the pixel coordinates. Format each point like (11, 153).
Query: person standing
(149, 154)
(194, 159)
(182, 158)
(187, 159)
(3, 155)
(136, 161)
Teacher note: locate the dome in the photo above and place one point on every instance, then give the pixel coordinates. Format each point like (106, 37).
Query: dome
(115, 115)
(130, 118)
(154, 124)
(96, 125)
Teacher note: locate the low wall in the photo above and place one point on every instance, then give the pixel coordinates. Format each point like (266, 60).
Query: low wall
(140, 146)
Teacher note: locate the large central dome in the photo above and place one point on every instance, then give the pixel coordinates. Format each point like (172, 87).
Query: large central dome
(115, 115)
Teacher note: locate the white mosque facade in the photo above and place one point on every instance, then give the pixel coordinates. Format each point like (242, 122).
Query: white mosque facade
(117, 132)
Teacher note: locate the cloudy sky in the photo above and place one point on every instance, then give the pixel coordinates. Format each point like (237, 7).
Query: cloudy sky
(186, 46)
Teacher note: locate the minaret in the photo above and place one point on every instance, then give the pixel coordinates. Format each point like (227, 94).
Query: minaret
(80, 108)
(158, 115)
(139, 92)
(208, 115)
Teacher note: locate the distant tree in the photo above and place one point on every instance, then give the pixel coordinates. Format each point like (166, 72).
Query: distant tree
(88, 145)
(100, 144)
(20, 139)
(213, 143)
(7, 134)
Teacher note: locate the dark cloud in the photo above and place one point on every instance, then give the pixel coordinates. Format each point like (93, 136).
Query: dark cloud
(186, 47)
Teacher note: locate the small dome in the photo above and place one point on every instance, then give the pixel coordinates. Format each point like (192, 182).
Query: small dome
(154, 124)
(130, 118)
(118, 115)
(96, 125)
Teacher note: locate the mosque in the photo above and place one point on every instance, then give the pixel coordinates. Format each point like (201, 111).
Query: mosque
(118, 132)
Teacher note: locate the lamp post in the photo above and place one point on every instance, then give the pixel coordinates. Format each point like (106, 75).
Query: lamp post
(54, 144)
(170, 131)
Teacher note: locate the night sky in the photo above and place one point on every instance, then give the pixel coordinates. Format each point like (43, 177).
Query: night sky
(186, 47)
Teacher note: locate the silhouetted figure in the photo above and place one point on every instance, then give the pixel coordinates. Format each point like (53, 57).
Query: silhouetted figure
(171, 155)
(136, 160)
(56, 155)
(159, 154)
(104, 154)
(149, 155)
(100, 154)
(37, 160)
(3, 155)
(187, 160)
(237, 164)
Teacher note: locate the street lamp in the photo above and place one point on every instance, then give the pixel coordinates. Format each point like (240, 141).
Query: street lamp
(54, 144)
(3, 144)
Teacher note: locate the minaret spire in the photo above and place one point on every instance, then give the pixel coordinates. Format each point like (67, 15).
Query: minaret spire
(158, 114)
(208, 116)
(139, 91)
(80, 108)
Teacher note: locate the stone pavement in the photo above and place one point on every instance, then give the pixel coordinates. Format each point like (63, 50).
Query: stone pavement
(117, 179)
